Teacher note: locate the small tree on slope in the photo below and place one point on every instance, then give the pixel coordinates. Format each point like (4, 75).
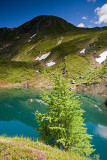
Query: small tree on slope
(63, 124)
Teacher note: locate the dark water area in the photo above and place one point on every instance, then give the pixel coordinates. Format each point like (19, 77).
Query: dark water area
(17, 116)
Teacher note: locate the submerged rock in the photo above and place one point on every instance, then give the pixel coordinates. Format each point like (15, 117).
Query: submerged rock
(105, 103)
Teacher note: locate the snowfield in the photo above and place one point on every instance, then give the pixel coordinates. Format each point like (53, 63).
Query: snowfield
(43, 57)
(51, 63)
(102, 57)
(33, 36)
(29, 40)
(83, 51)
(60, 41)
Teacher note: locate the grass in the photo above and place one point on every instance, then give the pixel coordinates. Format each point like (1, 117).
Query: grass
(26, 149)
(30, 52)
(15, 72)
(78, 67)
(21, 55)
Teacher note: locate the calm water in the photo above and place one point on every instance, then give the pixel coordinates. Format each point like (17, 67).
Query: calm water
(17, 116)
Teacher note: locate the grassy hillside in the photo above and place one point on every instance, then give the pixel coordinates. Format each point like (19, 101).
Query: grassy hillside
(26, 149)
(20, 48)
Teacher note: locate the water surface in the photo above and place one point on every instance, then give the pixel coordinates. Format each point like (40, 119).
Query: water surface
(17, 116)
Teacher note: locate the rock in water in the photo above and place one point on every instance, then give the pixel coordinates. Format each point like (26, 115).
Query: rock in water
(105, 103)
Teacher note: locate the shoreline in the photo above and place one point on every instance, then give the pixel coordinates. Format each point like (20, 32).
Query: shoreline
(45, 83)
(95, 88)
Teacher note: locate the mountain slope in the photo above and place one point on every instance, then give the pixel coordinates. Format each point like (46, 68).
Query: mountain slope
(44, 22)
(4, 31)
(29, 52)
(37, 27)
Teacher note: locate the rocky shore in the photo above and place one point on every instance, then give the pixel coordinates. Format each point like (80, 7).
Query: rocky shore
(95, 88)
(40, 82)
(44, 82)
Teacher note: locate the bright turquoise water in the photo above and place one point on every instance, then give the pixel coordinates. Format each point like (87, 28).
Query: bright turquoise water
(17, 116)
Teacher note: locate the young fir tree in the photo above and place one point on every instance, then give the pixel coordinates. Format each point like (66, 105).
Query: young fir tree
(63, 124)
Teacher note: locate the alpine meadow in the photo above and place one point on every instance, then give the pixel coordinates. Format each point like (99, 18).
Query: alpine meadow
(53, 80)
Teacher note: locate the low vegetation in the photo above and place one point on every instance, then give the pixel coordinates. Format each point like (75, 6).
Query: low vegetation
(16, 72)
(79, 67)
(26, 149)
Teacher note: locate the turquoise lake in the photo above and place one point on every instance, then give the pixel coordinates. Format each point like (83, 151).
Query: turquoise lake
(17, 116)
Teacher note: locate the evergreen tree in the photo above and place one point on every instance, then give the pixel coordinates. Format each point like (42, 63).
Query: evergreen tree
(63, 124)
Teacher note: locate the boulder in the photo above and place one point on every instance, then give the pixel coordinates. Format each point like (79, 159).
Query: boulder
(73, 82)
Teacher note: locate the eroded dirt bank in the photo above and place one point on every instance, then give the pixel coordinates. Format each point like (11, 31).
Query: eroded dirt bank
(45, 82)
(98, 88)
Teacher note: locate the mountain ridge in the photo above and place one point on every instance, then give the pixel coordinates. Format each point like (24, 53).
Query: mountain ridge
(54, 17)
(67, 48)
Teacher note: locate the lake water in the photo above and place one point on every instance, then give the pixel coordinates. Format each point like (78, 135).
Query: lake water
(17, 116)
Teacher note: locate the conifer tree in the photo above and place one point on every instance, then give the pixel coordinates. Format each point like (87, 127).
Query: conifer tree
(63, 124)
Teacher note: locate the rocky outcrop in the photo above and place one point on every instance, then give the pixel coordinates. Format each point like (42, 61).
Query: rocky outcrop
(98, 88)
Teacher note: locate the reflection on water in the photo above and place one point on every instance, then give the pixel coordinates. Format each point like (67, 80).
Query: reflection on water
(96, 122)
(17, 115)
(97, 107)
(101, 131)
(15, 105)
(16, 128)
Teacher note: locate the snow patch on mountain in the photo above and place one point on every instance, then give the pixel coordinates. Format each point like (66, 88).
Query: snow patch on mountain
(51, 63)
(60, 41)
(102, 57)
(43, 57)
(83, 51)
(33, 36)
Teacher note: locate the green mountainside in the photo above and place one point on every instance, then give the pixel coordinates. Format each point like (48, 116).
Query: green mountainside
(21, 47)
